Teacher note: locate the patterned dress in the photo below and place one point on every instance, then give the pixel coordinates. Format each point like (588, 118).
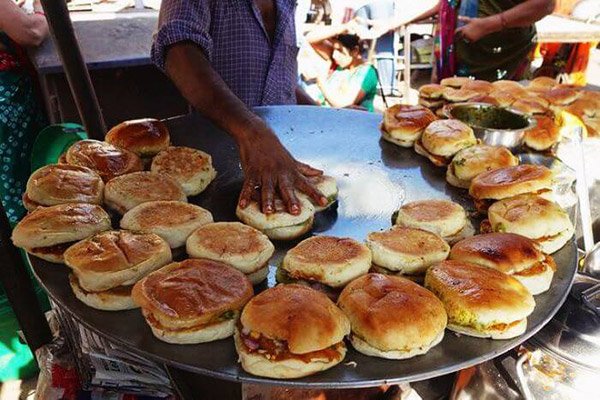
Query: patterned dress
(21, 119)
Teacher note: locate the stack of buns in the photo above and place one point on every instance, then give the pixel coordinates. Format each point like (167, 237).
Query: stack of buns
(144, 137)
(442, 139)
(403, 125)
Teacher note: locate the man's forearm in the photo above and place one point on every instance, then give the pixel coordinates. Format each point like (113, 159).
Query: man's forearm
(526, 13)
(204, 89)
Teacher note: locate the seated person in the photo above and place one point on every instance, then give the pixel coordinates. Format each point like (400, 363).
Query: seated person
(350, 81)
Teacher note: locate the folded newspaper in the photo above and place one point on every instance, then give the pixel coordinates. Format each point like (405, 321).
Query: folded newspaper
(107, 366)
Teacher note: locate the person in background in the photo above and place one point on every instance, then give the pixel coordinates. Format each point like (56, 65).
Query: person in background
(484, 39)
(21, 116)
(350, 81)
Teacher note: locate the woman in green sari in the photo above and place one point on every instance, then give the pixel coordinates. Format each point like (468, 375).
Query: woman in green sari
(21, 117)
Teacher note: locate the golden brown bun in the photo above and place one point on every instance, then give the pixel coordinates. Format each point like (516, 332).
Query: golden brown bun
(507, 85)
(446, 137)
(190, 167)
(431, 91)
(479, 297)
(127, 191)
(504, 98)
(406, 122)
(505, 252)
(303, 317)
(474, 160)
(63, 183)
(531, 105)
(391, 313)
(482, 87)
(407, 250)
(455, 81)
(104, 158)
(485, 98)
(191, 293)
(562, 96)
(63, 223)
(330, 260)
(459, 95)
(174, 221)
(543, 82)
(511, 181)
(431, 104)
(116, 258)
(287, 368)
(241, 246)
(544, 135)
(144, 137)
(116, 299)
(442, 217)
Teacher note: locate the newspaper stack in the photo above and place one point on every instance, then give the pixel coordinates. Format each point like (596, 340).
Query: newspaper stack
(107, 366)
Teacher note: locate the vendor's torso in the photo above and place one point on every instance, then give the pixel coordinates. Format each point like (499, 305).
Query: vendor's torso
(254, 49)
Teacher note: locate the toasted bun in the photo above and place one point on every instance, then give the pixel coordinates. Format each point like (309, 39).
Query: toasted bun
(280, 224)
(479, 298)
(459, 95)
(233, 243)
(258, 276)
(511, 181)
(562, 96)
(290, 368)
(305, 318)
(506, 252)
(330, 260)
(543, 82)
(431, 104)
(532, 216)
(64, 183)
(446, 137)
(327, 185)
(405, 122)
(104, 158)
(544, 135)
(507, 85)
(408, 250)
(108, 300)
(174, 221)
(474, 160)
(63, 223)
(144, 137)
(516, 329)
(363, 347)
(554, 243)
(455, 81)
(531, 105)
(483, 87)
(191, 294)
(442, 217)
(194, 335)
(127, 191)
(505, 98)
(191, 168)
(431, 91)
(392, 314)
(116, 258)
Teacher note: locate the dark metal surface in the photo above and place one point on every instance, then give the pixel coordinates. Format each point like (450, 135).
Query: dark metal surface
(18, 287)
(78, 76)
(374, 178)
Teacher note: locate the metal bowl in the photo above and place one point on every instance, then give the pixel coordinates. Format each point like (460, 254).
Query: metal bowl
(497, 126)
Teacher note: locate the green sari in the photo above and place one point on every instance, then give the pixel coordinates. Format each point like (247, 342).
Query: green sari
(499, 55)
(21, 118)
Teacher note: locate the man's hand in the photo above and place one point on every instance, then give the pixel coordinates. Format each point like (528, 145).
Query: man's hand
(476, 28)
(270, 171)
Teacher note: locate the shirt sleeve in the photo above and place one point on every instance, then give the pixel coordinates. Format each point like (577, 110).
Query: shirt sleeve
(181, 21)
(369, 81)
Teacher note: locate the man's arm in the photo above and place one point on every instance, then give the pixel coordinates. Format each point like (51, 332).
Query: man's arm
(28, 30)
(522, 15)
(267, 164)
(410, 13)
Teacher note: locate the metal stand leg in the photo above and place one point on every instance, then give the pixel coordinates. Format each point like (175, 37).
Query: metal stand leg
(19, 290)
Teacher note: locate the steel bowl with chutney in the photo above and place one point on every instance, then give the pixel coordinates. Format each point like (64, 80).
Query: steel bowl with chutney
(497, 126)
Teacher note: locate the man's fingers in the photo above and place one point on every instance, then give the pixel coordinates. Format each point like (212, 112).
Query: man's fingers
(308, 189)
(267, 196)
(464, 18)
(307, 170)
(288, 195)
(246, 193)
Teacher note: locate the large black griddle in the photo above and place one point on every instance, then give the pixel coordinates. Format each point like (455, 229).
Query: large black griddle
(375, 178)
